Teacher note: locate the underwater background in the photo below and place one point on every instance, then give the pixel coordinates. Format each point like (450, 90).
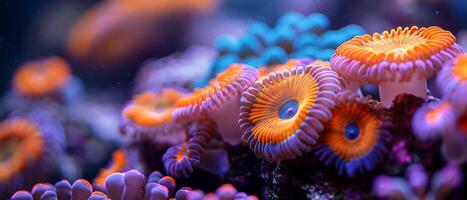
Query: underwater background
(233, 99)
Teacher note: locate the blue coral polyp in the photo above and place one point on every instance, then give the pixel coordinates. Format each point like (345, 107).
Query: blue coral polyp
(355, 138)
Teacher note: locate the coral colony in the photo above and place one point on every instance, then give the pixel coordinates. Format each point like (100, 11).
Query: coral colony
(278, 113)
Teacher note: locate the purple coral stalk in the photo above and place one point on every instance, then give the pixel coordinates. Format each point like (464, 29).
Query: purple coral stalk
(414, 186)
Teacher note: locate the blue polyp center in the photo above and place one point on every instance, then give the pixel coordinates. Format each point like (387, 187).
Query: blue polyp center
(288, 109)
(351, 131)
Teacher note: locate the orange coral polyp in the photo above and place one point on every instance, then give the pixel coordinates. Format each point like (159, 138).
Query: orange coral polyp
(42, 77)
(221, 81)
(220, 91)
(398, 45)
(150, 109)
(118, 163)
(269, 127)
(114, 29)
(355, 138)
(432, 119)
(282, 114)
(25, 137)
(368, 123)
(459, 69)
(161, 7)
(453, 81)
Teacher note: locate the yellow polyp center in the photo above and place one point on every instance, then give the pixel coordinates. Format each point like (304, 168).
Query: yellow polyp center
(151, 109)
(397, 44)
(460, 67)
(156, 102)
(162, 104)
(269, 125)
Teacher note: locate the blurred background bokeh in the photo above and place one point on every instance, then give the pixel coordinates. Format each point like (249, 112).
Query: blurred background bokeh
(34, 29)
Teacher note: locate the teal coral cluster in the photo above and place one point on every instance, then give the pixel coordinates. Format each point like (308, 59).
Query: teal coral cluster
(294, 36)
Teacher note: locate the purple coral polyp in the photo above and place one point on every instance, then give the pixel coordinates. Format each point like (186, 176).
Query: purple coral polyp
(417, 185)
(180, 159)
(453, 81)
(432, 119)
